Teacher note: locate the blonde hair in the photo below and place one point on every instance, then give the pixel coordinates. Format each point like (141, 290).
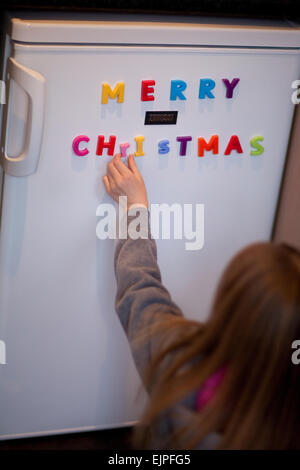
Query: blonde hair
(255, 318)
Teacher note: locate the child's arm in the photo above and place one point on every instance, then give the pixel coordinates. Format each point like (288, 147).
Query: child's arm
(141, 298)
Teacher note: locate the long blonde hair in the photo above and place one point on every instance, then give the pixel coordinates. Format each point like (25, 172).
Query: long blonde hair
(255, 318)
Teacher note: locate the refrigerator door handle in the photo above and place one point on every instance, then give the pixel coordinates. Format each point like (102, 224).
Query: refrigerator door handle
(33, 83)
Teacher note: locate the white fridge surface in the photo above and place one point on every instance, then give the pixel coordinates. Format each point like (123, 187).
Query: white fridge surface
(69, 365)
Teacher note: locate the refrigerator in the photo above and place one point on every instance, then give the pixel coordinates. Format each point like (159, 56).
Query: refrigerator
(205, 104)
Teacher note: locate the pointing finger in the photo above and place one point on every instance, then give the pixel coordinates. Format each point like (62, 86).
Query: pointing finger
(132, 165)
(112, 170)
(121, 167)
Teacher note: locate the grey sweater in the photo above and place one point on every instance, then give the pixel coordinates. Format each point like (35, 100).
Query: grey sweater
(141, 301)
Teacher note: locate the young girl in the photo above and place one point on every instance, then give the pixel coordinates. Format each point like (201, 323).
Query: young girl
(229, 383)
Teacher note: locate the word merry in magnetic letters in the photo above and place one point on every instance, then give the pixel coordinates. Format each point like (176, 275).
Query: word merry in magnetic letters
(177, 90)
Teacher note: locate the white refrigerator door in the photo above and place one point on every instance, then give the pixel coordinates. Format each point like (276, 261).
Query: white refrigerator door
(68, 362)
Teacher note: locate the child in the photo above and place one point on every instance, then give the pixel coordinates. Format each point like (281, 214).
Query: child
(229, 383)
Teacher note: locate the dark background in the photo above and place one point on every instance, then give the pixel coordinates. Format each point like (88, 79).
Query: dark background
(270, 9)
(289, 9)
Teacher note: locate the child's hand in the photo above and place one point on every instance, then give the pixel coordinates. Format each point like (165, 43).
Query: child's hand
(125, 181)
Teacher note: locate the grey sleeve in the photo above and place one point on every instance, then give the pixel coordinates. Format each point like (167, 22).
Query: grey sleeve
(141, 298)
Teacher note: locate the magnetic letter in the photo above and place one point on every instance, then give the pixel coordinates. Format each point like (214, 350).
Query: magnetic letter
(230, 86)
(123, 148)
(183, 143)
(163, 146)
(76, 143)
(233, 144)
(206, 85)
(139, 145)
(213, 145)
(110, 145)
(118, 91)
(254, 143)
(177, 88)
(147, 89)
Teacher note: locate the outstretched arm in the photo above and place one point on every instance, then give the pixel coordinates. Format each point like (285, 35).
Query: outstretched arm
(141, 299)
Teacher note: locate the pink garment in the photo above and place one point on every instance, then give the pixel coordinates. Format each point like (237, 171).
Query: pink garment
(207, 391)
